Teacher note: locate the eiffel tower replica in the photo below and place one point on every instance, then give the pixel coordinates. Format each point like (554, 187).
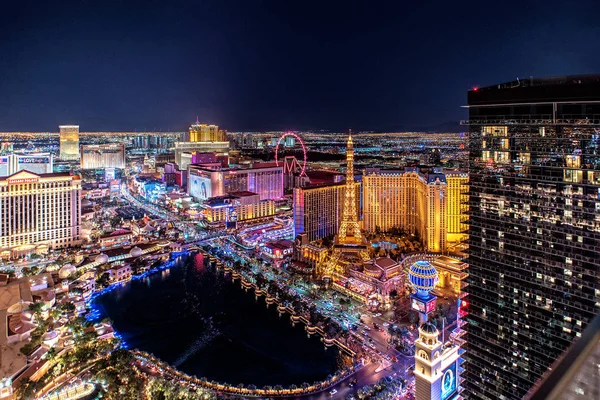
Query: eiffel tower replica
(350, 245)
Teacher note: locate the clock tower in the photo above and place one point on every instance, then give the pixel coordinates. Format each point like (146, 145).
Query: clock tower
(436, 363)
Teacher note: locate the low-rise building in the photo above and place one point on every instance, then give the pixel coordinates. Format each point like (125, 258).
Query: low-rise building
(237, 206)
(279, 249)
(119, 273)
(309, 253)
(119, 237)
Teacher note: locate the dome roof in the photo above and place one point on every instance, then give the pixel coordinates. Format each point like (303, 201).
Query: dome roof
(50, 335)
(423, 276)
(102, 258)
(66, 271)
(428, 329)
(136, 252)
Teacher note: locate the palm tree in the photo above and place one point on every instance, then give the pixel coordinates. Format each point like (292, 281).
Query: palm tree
(51, 354)
(37, 308)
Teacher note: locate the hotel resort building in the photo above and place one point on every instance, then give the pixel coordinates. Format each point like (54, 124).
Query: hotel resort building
(110, 155)
(39, 212)
(69, 142)
(318, 209)
(432, 205)
(237, 206)
(205, 182)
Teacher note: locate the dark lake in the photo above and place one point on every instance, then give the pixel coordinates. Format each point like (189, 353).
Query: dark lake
(197, 320)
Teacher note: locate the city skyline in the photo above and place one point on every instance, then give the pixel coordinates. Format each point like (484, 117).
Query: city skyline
(275, 66)
(352, 200)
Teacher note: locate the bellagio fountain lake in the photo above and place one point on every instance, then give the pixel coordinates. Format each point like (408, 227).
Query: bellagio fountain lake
(202, 323)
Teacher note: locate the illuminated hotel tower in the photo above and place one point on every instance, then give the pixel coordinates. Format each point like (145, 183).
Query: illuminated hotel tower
(206, 133)
(349, 232)
(69, 142)
(39, 212)
(409, 200)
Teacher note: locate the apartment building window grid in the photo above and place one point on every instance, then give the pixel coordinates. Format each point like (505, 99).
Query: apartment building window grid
(533, 284)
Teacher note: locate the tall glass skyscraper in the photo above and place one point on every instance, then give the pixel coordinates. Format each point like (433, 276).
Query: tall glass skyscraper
(534, 226)
(69, 142)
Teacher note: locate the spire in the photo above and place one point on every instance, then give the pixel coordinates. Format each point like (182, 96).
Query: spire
(349, 229)
(197, 122)
(349, 144)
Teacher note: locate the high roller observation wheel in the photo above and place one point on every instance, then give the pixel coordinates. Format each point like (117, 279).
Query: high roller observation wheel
(303, 171)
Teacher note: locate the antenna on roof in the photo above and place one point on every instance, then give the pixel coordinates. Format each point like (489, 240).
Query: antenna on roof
(197, 122)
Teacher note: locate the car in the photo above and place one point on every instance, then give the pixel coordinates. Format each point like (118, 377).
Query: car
(386, 324)
(333, 392)
(353, 382)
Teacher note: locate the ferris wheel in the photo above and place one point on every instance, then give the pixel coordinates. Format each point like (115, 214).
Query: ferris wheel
(303, 165)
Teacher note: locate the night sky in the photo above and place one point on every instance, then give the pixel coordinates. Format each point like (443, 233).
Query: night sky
(272, 65)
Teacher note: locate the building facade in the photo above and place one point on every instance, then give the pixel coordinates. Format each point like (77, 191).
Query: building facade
(206, 133)
(110, 155)
(39, 212)
(220, 148)
(318, 209)
(202, 138)
(69, 142)
(205, 182)
(457, 205)
(407, 200)
(38, 163)
(534, 228)
(237, 206)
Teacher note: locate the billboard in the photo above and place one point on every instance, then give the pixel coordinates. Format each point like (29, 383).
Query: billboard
(4, 166)
(33, 160)
(424, 306)
(200, 187)
(449, 381)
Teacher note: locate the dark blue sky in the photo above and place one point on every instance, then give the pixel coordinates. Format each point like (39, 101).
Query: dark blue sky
(254, 65)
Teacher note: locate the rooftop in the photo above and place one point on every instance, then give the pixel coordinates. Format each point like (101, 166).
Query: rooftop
(572, 88)
(27, 173)
(117, 233)
(547, 81)
(280, 244)
(243, 193)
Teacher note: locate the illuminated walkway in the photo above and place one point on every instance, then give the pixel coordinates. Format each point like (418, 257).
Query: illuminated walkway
(79, 391)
